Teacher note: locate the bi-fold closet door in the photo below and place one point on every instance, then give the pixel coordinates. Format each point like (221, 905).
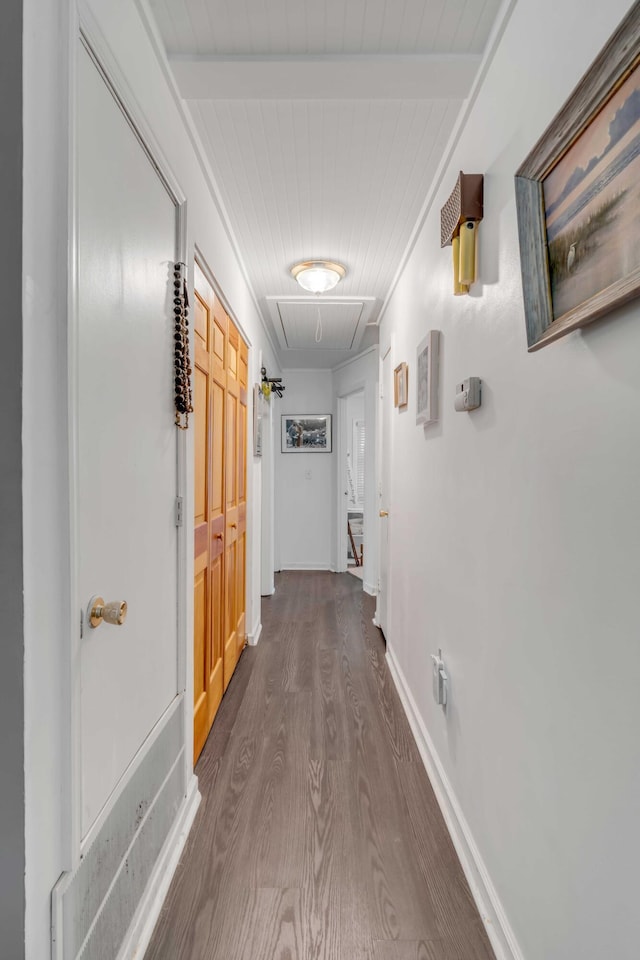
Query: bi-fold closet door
(220, 522)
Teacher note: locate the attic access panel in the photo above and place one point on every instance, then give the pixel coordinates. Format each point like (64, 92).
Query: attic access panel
(341, 324)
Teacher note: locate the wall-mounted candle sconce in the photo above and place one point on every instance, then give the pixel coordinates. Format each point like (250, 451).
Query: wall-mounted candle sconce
(459, 219)
(271, 384)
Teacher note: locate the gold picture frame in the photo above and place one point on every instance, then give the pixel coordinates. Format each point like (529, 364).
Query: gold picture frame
(401, 386)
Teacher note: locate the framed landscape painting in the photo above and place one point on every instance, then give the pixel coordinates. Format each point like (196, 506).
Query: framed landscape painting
(306, 433)
(578, 195)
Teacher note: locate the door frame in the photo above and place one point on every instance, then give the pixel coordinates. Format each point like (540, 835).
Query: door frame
(341, 474)
(386, 349)
(267, 504)
(84, 32)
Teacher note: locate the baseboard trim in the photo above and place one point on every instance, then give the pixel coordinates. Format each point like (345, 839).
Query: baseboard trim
(254, 636)
(146, 916)
(370, 588)
(306, 566)
(498, 929)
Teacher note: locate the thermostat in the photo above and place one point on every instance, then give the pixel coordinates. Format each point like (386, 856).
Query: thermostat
(469, 394)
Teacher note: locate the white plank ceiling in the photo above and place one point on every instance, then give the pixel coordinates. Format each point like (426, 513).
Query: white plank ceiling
(323, 122)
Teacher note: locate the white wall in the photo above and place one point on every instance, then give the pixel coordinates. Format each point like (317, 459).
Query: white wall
(45, 465)
(357, 374)
(49, 621)
(305, 507)
(11, 549)
(516, 540)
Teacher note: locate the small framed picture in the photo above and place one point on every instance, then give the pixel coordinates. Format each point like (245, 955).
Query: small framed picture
(258, 402)
(401, 386)
(306, 433)
(427, 378)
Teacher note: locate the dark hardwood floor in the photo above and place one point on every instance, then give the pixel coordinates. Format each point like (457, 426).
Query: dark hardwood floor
(318, 836)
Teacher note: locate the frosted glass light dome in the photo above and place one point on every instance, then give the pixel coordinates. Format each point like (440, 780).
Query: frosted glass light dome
(318, 276)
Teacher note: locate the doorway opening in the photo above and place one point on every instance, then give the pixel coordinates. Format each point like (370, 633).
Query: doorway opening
(352, 545)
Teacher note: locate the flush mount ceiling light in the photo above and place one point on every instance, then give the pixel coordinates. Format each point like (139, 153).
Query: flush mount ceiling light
(318, 276)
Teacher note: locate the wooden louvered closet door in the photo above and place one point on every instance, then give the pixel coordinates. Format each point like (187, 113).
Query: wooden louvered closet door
(220, 409)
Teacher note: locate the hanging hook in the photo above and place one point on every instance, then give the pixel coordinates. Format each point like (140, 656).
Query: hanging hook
(275, 383)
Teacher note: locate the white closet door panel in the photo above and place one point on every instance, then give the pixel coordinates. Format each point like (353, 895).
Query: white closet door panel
(127, 546)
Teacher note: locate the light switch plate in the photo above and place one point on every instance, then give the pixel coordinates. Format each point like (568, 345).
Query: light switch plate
(439, 679)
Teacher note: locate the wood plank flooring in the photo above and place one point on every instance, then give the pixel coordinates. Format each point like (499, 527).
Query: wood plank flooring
(318, 836)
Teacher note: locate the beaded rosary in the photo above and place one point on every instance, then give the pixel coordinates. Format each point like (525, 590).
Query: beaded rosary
(181, 361)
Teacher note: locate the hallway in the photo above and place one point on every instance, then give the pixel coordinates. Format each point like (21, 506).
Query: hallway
(318, 835)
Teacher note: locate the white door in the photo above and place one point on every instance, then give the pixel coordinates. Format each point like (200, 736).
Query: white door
(351, 419)
(127, 449)
(343, 485)
(384, 483)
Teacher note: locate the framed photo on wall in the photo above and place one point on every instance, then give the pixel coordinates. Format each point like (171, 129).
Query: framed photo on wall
(577, 198)
(401, 386)
(306, 432)
(427, 355)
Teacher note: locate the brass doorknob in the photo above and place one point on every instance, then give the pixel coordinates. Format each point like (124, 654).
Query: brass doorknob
(384, 513)
(114, 612)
